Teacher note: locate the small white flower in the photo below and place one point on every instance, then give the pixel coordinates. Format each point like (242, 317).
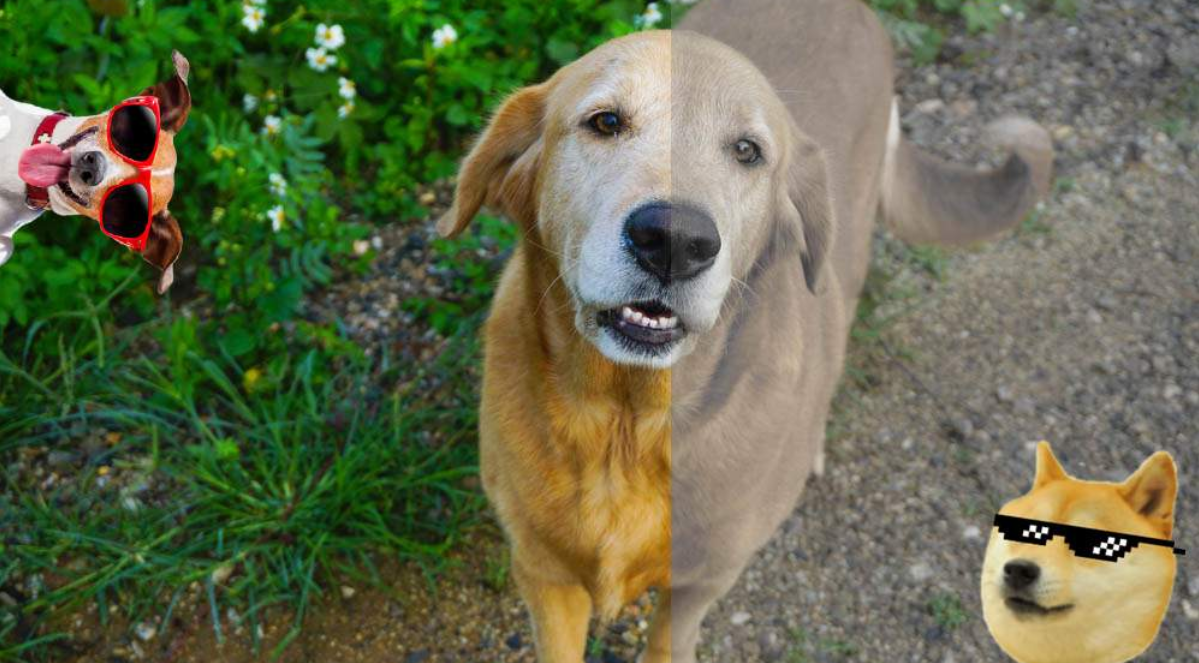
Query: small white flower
(1006, 10)
(275, 214)
(444, 36)
(278, 185)
(1019, 17)
(249, 102)
(272, 124)
(253, 17)
(361, 246)
(320, 59)
(331, 37)
(346, 88)
(344, 110)
(652, 15)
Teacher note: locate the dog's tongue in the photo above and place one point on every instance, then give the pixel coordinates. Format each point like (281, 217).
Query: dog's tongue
(43, 165)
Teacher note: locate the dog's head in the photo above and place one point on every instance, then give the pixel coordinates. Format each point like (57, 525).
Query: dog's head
(656, 171)
(81, 168)
(1050, 603)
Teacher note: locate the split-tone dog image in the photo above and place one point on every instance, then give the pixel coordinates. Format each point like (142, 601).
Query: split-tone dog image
(1095, 590)
(67, 164)
(696, 209)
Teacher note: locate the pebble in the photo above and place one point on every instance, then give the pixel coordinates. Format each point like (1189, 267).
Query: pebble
(740, 618)
(920, 571)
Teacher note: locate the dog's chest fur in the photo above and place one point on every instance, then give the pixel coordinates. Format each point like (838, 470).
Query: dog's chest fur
(18, 121)
(618, 493)
(576, 458)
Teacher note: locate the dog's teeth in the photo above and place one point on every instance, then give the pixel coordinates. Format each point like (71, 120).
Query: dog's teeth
(652, 323)
(670, 323)
(626, 313)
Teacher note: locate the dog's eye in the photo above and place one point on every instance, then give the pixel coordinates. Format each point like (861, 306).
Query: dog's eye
(607, 123)
(747, 151)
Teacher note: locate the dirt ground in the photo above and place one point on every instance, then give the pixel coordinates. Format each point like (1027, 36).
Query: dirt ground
(1082, 329)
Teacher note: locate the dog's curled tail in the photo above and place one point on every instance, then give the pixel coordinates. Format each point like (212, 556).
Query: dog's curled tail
(928, 200)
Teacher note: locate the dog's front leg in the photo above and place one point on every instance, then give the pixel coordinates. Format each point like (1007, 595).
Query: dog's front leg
(561, 614)
(674, 634)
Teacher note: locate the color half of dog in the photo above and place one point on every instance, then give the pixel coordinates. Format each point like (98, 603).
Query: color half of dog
(1046, 603)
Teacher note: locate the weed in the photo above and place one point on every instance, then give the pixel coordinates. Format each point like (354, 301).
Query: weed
(947, 611)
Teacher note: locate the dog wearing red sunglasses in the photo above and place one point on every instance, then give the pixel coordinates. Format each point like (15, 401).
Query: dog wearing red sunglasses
(117, 168)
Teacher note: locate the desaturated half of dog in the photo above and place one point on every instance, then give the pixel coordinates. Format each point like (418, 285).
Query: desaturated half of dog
(1045, 604)
(695, 211)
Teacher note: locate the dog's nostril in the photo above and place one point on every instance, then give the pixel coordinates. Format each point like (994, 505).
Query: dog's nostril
(672, 242)
(91, 168)
(1020, 573)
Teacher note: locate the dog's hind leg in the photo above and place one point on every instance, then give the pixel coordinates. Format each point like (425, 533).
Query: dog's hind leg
(560, 613)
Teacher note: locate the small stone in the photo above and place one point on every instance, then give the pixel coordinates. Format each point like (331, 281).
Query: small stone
(348, 592)
(930, 106)
(145, 631)
(920, 571)
(741, 618)
(972, 533)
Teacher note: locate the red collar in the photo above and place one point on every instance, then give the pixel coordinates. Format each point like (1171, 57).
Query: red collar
(37, 197)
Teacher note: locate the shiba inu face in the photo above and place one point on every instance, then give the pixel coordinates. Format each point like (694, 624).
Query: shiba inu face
(1054, 594)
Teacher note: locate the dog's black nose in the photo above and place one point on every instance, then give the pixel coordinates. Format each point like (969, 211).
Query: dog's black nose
(1020, 573)
(91, 168)
(674, 242)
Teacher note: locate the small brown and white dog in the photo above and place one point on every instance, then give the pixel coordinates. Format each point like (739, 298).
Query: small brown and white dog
(695, 210)
(66, 164)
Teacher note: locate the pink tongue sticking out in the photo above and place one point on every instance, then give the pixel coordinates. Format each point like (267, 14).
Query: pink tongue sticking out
(44, 165)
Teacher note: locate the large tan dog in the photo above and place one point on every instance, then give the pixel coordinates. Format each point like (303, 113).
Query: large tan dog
(666, 339)
(1082, 571)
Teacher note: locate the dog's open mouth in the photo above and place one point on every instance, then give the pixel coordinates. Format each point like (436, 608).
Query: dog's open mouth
(1029, 607)
(645, 326)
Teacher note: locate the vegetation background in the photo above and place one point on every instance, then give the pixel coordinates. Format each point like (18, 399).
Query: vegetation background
(224, 436)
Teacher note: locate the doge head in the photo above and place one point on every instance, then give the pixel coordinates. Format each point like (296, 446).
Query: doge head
(656, 171)
(1082, 597)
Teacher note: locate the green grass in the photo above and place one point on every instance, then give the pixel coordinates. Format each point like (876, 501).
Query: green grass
(947, 611)
(204, 471)
(802, 648)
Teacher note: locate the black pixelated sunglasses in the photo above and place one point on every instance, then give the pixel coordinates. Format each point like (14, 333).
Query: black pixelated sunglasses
(1083, 541)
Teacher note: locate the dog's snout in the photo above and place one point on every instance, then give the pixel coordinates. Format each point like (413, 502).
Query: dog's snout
(674, 242)
(91, 168)
(1020, 573)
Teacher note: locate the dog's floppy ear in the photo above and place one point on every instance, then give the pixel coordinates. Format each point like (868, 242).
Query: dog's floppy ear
(163, 247)
(1151, 490)
(500, 170)
(805, 205)
(1048, 469)
(174, 99)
